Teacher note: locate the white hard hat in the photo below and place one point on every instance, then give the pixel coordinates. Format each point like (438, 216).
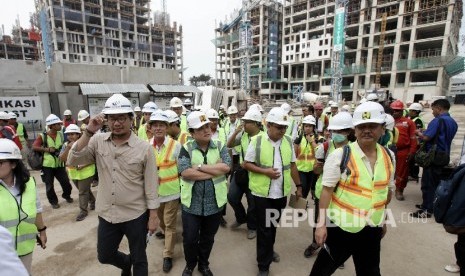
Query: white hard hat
(330, 102)
(277, 116)
(82, 115)
(72, 128)
(340, 121)
(187, 102)
(257, 107)
(117, 104)
(159, 116)
(253, 115)
(9, 150)
(212, 114)
(12, 115)
(232, 110)
(197, 119)
(334, 105)
(372, 97)
(175, 102)
(363, 100)
(369, 112)
(416, 106)
(390, 122)
(309, 120)
(327, 109)
(346, 108)
(172, 116)
(67, 113)
(52, 119)
(4, 115)
(221, 106)
(149, 107)
(137, 109)
(286, 107)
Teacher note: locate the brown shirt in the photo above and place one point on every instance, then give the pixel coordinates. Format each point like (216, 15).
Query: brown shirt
(128, 182)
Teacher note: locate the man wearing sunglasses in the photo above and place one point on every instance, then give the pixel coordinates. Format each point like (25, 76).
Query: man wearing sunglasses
(270, 160)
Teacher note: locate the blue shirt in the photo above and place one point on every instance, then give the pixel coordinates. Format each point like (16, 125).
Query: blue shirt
(446, 133)
(203, 202)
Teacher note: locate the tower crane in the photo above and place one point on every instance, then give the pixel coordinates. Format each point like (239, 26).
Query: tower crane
(337, 58)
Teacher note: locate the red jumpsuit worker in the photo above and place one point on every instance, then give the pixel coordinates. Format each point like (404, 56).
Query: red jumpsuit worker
(406, 147)
(7, 131)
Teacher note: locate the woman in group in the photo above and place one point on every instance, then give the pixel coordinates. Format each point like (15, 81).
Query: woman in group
(21, 211)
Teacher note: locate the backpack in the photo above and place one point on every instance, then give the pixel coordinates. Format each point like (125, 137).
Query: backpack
(449, 202)
(35, 158)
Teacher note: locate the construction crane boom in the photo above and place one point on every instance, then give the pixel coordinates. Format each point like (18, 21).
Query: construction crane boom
(337, 58)
(379, 61)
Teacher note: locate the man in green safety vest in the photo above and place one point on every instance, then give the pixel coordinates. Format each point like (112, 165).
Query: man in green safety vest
(354, 198)
(177, 106)
(21, 133)
(271, 162)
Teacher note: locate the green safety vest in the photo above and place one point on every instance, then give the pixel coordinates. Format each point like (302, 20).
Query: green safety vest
(264, 158)
(142, 132)
(168, 169)
(80, 174)
(227, 129)
(219, 182)
(19, 218)
(184, 123)
(52, 161)
(359, 198)
(306, 157)
(221, 135)
(319, 185)
(245, 140)
(183, 137)
(20, 133)
(291, 127)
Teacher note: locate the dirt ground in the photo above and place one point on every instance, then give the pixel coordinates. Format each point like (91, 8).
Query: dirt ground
(411, 247)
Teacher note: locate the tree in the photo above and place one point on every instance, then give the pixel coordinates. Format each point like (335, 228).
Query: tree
(201, 80)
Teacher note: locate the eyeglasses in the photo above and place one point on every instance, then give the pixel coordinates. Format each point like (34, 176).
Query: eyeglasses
(279, 127)
(119, 119)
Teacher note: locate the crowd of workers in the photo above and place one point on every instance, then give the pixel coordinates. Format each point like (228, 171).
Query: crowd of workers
(150, 163)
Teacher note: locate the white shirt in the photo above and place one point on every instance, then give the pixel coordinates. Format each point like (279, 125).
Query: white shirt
(276, 188)
(9, 260)
(215, 135)
(332, 169)
(232, 129)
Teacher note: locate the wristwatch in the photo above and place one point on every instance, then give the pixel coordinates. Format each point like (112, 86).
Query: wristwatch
(199, 166)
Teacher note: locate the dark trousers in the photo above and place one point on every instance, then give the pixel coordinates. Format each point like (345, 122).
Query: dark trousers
(316, 214)
(235, 194)
(109, 237)
(414, 170)
(266, 235)
(198, 234)
(364, 247)
(308, 181)
(85, 193)
(459, 247)
(48, 177)
(429, 182)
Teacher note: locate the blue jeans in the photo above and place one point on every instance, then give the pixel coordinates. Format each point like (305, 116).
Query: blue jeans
(308, 181)
(109, 237)
(429, 182)
(235, 194)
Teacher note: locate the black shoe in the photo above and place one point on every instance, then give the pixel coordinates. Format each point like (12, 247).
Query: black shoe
(263, 273)
(311, 250)
(421, 214)
(419, 206)
(160, 235)
(126, 272)
(205, 271)
(69, 200)
(167, 264)
(276, 257)
(223, 222)
(81, 216)
(55, 206)
(92, 206)
(187, 272)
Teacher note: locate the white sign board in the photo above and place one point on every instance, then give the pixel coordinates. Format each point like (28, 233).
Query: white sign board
(26, 108)
(96, 105)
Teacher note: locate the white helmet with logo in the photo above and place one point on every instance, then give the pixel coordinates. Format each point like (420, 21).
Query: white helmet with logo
(309, 120)
(197, 119)
(12, 115)
(82, 115)
(52, 119)
(369, 112)
(416, 106)
(137, 109)
(117, 104)
(9, 150)
(257, 107)
(372, 97)
(72, 128)
(286, 107)
(253, 115)
(4, 116)
(232, 110)
(67, 113)
(176, 102)
(390, 122)
(159, 117)
(278, 116)
(342, 120)
(172, 116)
(212, 114)
(149, 107)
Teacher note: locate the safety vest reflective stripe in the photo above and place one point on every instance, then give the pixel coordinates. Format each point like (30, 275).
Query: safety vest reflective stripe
(348, 207)
(14, 222)
(25, 237)
(167, 165)
(168, 169)
(182, 138)
(306, 156)
(168, 179)
(356, 190)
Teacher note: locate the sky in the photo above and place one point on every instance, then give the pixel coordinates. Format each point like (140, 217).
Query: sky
(196, 17)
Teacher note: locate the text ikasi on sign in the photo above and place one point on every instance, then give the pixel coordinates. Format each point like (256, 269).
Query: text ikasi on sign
(26, 108)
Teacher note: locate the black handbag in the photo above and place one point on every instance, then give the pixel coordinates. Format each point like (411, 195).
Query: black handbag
(433, 156)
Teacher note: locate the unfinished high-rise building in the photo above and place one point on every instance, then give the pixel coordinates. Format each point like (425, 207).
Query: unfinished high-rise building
(21, 45)
(405, 48)
(111, 32)
(265, 19)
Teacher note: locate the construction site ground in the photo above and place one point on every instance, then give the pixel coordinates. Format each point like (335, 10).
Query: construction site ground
(411, 247)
